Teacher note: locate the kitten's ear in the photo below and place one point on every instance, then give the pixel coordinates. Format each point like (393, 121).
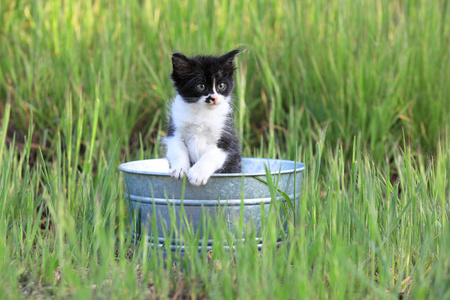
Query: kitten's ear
(229, 57)
(180, 63)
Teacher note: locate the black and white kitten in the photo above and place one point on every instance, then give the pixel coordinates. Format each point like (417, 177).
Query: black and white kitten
(201, 139)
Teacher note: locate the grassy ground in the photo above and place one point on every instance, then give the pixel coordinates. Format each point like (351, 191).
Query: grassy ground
(358, 90)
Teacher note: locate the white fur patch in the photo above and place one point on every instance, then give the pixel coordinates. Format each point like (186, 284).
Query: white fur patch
(177, 155)
(211, 161)
(198, 128)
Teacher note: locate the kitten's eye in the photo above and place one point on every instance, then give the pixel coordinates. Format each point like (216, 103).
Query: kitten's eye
(200, 87)
(221, 86)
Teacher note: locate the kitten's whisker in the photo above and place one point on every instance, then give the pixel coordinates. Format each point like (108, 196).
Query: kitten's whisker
(233, 105)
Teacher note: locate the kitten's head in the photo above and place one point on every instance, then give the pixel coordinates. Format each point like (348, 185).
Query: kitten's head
(206, 80)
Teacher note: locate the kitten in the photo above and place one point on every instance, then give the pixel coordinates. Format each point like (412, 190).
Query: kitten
(201, 139)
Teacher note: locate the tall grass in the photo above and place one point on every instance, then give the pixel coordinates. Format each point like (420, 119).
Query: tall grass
(355, 89)
(357, 235)
(372, 68)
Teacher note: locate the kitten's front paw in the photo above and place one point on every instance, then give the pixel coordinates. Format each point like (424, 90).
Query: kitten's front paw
(178, 173)
(198, 176)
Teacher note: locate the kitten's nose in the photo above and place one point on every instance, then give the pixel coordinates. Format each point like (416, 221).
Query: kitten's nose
(212, 98)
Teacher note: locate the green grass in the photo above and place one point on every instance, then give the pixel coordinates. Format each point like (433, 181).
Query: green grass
(357, 90)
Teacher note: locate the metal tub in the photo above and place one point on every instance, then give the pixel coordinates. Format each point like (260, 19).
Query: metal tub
(149, 187)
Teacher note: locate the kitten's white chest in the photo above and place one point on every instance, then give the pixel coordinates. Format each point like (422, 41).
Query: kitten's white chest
(197, 126)
(198, 138)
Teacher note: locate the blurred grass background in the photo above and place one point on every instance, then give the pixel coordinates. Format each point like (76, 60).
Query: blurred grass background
(374, 69)
(348, 87)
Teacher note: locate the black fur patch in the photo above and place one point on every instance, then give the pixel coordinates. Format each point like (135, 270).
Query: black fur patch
(170, 128)
(229, 143)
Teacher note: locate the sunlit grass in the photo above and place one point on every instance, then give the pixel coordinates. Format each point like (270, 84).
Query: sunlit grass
(357, 235)
(372, 68)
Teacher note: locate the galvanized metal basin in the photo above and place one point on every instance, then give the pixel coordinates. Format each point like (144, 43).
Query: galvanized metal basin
(149, 187)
